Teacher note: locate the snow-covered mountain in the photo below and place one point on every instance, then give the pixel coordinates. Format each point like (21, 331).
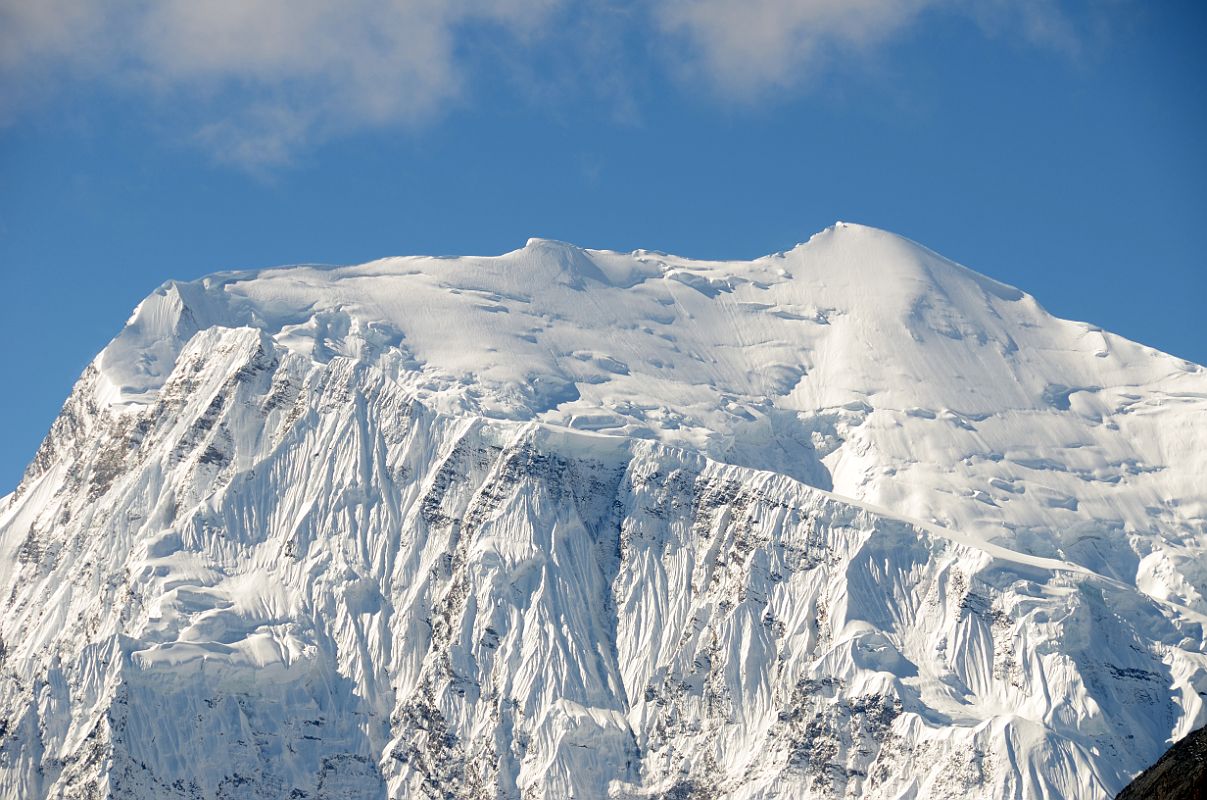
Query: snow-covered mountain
(845, 521)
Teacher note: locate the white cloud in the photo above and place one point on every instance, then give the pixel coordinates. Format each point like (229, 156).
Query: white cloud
(37, 36)
(260, 80)
(266, 76)
(746, 46)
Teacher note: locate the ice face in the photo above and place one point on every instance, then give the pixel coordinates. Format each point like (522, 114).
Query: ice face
(845, 520)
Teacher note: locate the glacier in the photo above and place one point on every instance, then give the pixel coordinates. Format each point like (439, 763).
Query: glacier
(849, 520)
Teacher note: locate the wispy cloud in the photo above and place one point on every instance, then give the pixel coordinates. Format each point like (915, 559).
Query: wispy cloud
(744, 48)
(266, 75)
(265, 79)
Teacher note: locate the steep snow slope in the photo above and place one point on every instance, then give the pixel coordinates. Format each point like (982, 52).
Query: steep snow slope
(849, 520)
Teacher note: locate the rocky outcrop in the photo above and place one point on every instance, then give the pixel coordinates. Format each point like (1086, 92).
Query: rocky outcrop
(1180, 774)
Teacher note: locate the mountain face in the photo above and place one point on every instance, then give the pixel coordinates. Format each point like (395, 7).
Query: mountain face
(845, 521)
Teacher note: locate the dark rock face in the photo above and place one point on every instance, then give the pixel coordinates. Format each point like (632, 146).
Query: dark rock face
(1181, 774)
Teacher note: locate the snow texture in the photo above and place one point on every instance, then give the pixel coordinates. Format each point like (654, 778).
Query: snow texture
(845, 521)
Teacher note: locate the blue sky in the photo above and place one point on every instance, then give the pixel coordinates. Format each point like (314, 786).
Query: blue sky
(1056, 146)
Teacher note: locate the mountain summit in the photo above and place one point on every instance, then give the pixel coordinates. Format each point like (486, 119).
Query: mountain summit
(845, 521)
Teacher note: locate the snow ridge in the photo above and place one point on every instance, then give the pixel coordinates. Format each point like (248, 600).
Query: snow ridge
(849, 520)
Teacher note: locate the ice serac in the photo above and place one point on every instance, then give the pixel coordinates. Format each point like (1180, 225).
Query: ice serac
(845, 521)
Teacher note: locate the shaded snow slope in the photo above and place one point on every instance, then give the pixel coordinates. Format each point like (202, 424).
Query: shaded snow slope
(849, 520)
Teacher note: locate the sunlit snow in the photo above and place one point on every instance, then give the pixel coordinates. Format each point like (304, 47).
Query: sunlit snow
(845, 521)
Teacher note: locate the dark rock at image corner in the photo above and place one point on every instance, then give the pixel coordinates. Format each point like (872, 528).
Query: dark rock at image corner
(1180, 774)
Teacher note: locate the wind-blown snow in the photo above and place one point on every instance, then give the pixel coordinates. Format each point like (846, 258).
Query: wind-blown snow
(849, 520)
